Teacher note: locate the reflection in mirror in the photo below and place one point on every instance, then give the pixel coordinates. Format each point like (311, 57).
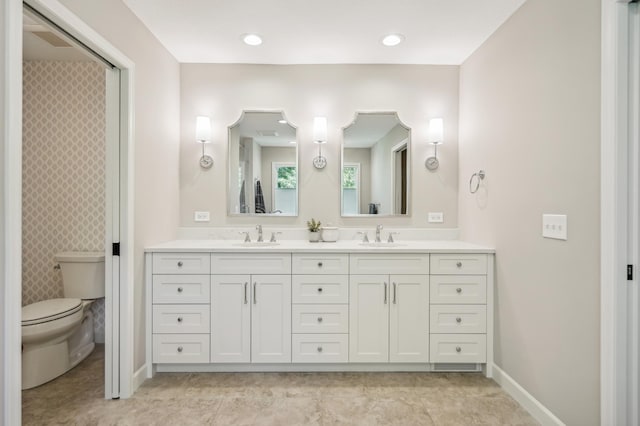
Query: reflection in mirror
(375, 165)
(263, 165)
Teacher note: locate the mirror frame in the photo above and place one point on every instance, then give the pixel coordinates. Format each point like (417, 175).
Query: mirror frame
(409, 168)
(228, 180)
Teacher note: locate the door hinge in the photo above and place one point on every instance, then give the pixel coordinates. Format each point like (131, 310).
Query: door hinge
(115, 249)
(629, 272)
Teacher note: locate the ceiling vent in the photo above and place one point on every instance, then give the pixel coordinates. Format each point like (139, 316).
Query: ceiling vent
(271, 133)
(51, 38)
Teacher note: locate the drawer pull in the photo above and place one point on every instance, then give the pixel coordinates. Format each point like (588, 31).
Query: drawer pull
(394, 293)
(180, 289)
(245, 293)
(255, 296)
(319, 319)
(458, 349)
(458, 290)
(319, 289)
(458, 320)
(459, 264)
(179, 319)
(179, 348)
(385, 293)
(180, 264)
(319, 348)
(319, 264)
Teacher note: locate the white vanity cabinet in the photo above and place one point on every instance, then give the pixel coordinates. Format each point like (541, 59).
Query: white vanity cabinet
(458, 330)
(389, 313)
(251, 308)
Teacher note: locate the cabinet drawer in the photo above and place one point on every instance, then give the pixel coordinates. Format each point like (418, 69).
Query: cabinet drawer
(320, 289)
(320, 263)
(180, 348)
(458, 289)
(465, 264)
(181, 263)
(462, 348)
(181, 288)
(181, 319)
(389, 263)
(251, 263)
(320, 348)
(458, 319)
(320, 318)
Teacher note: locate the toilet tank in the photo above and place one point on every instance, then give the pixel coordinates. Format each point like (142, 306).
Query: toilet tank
(82, 274)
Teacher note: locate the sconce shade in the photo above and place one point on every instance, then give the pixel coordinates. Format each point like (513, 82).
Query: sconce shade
(320, 129)
(436, 131)
(203, 129)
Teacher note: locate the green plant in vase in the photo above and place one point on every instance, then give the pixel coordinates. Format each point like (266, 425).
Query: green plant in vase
(314, 230)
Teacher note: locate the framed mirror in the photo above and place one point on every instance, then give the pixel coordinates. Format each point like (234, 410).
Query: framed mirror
(375, 166)
(263, 165)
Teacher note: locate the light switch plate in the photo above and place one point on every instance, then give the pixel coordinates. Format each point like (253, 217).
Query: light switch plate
(201, 216)
(554, 226)
(435, 217)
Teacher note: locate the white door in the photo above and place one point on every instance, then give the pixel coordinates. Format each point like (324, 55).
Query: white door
(231, 318)
(369, 318)
(409, 318)
(271, 318)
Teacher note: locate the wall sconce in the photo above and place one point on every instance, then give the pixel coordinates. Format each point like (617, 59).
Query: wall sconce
(320, 137)
(436, 137)
(203, 136)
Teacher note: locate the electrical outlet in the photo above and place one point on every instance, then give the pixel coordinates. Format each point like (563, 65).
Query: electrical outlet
(554, 226)
(201, 216)
(435, 217)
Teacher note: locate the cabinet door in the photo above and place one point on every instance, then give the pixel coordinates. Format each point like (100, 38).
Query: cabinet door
(369, 318)
(231, 318)
(271, 318)
(409, 318)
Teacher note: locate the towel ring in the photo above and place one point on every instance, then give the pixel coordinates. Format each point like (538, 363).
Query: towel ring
(480, 176)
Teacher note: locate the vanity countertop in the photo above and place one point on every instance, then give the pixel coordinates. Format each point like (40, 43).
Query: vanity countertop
(302, 246)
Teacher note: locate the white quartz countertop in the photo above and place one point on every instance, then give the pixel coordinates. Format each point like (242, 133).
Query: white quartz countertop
(302, 246)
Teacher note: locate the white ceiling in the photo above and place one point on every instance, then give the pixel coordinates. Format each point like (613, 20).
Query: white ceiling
(264, 129)
(368, 129)
(323, 32)
(37, 44)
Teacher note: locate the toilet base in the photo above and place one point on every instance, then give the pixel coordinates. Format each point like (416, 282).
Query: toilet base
(38, 373)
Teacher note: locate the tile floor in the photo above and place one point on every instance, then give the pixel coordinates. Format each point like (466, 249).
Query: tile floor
(274, 399)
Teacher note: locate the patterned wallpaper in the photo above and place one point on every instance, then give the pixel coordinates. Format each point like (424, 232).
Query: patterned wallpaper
(63, 172)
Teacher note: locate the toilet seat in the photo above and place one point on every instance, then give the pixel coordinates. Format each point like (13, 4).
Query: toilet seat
(49, 310)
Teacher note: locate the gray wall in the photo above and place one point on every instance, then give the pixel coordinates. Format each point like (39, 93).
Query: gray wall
(530, 117)
(157, 127)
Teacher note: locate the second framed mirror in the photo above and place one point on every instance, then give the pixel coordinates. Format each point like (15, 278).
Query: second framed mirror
(375, 172)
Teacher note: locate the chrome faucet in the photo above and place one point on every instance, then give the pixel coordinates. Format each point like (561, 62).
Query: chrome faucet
(259, 228)
(378, 229)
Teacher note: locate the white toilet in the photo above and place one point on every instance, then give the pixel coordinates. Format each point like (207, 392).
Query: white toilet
(57, 334)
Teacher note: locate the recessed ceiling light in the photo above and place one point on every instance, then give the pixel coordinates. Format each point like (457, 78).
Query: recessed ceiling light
(392, 39)
(293, 142)
(282, 121)
(252, 39)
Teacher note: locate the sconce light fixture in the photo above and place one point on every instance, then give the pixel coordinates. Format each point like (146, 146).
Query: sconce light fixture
(436, 137)
(203, 136)
(320, 137)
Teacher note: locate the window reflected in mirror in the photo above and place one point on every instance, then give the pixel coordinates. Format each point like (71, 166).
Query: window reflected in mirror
(375, 166)
(263, 165)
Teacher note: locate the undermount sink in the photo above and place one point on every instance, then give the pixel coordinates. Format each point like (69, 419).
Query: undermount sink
(382, 244)
(257, 244)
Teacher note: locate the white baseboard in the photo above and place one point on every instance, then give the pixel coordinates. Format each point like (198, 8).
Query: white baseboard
(138, 378)
(524, 398)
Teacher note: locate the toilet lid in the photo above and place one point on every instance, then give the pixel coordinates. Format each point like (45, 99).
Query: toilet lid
(49, 310)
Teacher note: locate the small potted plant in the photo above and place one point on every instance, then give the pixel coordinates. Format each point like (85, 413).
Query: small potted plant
(314, 230)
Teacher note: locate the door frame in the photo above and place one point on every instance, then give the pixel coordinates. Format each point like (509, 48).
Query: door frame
(615, 206)
(119, 177)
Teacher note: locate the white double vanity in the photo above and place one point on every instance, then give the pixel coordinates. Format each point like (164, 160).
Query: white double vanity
(215, 305)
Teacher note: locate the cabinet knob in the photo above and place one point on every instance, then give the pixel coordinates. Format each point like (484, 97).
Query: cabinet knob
(459, 264)
(319, 319)
(319, 348)
(458, 290)
(458, 320)
(179, 348)
(458, 349)
(180, 264)
(319, 289)
(179, 319)
(319, 264)
(180, 289)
